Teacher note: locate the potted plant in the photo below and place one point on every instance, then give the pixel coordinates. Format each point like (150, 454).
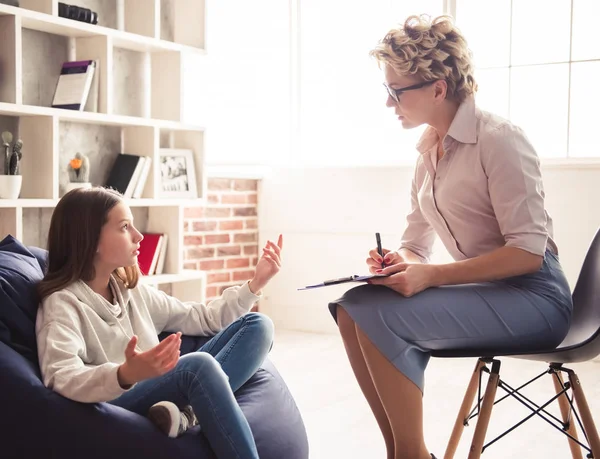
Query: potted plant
(11, 180)
(79, 173)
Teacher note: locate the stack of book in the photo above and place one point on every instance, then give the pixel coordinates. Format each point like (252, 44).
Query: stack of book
(129, 174)
(153, 249)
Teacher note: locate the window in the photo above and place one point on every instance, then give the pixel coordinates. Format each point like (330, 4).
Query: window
(247, 110)
(343, 120)
(536, 63)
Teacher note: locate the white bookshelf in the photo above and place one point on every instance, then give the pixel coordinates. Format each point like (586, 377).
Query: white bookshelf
(141, 50)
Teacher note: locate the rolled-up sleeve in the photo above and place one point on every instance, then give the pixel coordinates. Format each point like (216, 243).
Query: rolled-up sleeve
(516, 191)
(419, 236)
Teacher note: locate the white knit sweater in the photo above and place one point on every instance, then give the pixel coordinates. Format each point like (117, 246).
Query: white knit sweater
(81, 337)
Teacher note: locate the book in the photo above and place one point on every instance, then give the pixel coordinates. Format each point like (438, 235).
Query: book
(125, 173)
(343, 280)
(139, 187)
(150, 249)
(74, 83)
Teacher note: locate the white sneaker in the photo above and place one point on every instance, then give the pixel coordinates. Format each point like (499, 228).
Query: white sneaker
(170, 419)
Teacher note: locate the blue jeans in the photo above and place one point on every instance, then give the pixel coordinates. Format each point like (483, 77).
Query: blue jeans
(207, 379)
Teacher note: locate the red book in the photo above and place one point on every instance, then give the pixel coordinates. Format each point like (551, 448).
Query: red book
(149, 252)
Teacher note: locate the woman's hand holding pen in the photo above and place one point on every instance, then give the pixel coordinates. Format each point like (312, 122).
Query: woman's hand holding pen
(157, 361)
(407, 279)
(268, 265)
(389, 258)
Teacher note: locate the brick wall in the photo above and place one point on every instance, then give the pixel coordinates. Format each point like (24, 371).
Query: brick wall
(221, 238)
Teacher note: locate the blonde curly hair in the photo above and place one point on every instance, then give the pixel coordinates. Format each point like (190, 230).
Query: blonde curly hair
(431, 50)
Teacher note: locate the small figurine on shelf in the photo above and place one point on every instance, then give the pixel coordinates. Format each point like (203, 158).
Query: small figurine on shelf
(11, 180)
(79, 172)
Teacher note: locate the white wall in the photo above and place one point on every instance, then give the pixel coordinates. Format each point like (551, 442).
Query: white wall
(329, 217)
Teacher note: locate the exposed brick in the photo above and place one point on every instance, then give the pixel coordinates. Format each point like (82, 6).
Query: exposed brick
(212, 199)
(231, 225)
(217, 239)
(192, 240)
(242, 275)
(237, 263)
(254, 261)
(211, 292)
(217, 212)
(251, 223)
(218, 277)
(190, 265)
(193, 212)
(200, 252)
(244, 211)
(203, 225)
(245, 237)
(219, 184)
(250, 250)
(233, 198)
(252, 198)
(207, 265)
(245, 185)
(229, 250)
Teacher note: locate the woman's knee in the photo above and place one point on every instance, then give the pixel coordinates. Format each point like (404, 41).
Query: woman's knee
(199, 363)
(261, 325)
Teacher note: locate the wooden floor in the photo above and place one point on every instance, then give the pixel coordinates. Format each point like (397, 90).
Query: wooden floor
(340, 424)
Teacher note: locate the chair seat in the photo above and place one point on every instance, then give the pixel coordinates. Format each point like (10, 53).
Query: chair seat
(580, 352)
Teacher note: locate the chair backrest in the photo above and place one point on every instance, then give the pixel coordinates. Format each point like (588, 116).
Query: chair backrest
(585, 323)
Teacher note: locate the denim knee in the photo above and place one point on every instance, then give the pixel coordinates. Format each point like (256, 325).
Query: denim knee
(202, 365)
(262, 325)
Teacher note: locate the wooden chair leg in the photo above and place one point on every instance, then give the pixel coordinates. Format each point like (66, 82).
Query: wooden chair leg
(586, 416)
(565, 409)
(486, 412)
(464, 411)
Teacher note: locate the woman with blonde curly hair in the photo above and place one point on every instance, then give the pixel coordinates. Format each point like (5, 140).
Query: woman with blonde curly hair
(478, 187)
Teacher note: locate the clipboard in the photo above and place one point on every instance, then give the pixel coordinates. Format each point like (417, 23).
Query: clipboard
(343, 280)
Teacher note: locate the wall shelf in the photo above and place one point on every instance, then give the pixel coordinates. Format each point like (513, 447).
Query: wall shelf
(139, 111)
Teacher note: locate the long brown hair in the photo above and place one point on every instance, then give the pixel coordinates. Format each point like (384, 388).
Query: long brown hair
(73, 239)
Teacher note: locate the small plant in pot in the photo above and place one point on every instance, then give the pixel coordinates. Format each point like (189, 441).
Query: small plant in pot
(11, 180)
(79, 173)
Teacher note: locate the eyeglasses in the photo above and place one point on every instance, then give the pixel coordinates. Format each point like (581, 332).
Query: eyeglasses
(395, 93)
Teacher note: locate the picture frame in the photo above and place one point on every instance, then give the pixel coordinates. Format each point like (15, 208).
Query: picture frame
(177, 174)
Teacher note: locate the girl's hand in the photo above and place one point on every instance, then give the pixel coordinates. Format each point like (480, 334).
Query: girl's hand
(157, 361)
(389, 258)
(268, 265)
(407, 279)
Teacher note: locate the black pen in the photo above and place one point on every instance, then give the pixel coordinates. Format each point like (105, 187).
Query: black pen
(379, 249)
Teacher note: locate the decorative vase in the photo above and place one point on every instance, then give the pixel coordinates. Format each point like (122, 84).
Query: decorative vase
(73, 185)
(10, 186)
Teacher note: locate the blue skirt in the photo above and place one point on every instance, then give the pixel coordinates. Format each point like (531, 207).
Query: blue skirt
(523, 313)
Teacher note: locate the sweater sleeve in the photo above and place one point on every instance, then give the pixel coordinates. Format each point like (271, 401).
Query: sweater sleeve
(59, 349)
(192, 318)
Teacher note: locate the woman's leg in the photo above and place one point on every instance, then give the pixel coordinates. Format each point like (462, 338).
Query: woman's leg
(402, 399)
(348, 330)
(242, 347)
(198, 380)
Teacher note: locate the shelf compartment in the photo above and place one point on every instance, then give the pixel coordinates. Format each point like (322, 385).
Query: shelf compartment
(36, 224)
(187, 285)
(11, 222)
(183, 22)
(10, 59)
(189, 140)
(130, 85)
(38, 136)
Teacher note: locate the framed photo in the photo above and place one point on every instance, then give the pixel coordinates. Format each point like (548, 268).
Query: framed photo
(177, 174)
